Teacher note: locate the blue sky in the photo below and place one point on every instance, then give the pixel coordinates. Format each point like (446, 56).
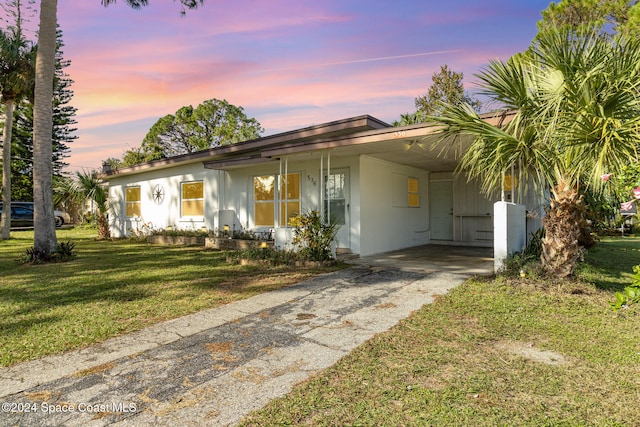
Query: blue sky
(288, 63)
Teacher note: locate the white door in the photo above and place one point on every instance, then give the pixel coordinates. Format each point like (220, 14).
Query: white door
(441, 202)
(336, 203)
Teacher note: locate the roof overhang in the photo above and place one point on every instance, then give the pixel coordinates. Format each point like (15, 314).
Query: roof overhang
(234, 154)
(415, 145)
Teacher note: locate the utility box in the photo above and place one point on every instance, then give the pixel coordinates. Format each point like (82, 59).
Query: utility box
(509, 231)
(229, 219)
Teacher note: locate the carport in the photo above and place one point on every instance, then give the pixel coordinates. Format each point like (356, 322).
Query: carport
(431, 258)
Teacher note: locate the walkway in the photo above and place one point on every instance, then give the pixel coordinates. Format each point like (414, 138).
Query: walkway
(216, 366)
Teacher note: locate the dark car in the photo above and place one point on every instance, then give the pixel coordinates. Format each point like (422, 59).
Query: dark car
(22, 215)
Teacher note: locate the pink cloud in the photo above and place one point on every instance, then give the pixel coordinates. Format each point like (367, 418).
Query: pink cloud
(292, 63)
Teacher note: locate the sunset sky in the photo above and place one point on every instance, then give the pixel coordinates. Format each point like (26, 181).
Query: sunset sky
(288, 63)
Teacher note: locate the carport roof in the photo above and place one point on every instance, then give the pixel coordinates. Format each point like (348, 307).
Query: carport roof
(362, 135)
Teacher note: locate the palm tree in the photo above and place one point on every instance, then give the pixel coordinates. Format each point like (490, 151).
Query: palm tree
(87, 186)
(576, 117)
(410, 119)
(16, 77)
(44, 239)
(44, 226)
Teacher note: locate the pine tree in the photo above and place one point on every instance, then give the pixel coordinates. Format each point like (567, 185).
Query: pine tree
(61, 136)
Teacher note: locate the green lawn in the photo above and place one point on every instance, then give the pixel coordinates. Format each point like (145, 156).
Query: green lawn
(492, 352)
(111, 288)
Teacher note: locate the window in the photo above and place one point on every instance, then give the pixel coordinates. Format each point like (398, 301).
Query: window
(192, 198)
(264, 197)
(132, 201)
(509, 183)
(264, 200)
(335, 197)
(413, 199)
(290, 198)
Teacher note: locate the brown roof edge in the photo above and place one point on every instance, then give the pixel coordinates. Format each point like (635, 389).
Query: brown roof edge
(498, 117)
(495, 118)
(323, 130)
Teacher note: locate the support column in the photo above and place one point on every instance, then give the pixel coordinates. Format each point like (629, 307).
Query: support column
(509, 231)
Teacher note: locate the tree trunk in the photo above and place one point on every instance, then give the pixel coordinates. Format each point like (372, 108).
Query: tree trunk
(561, 245)
(103, 226)
(43, 219)
(5, 221)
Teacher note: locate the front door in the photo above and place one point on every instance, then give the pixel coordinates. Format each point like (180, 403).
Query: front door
(336, 203)
(441, 202)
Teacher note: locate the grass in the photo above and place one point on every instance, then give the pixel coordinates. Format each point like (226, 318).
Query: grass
(607, 264)
(492, 352)
(112, 288)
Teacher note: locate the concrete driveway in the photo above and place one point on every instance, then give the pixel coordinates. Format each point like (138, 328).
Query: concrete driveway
(216, 366)
(452, 259)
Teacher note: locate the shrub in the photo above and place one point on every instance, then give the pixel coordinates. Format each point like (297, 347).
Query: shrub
(527, 262)
(269, 256)
(534, 248)
(630, 294)
(314, 236)
(64, 252)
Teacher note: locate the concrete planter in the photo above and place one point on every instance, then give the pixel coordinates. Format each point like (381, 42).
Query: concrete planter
(209, 242)
(176, 240)
(235, 244)
(298, 264)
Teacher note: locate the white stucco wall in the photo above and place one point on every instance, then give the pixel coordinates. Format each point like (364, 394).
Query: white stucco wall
(166, 213)
(473, 212)
(386, 222)
(228, 195)
(238, 191)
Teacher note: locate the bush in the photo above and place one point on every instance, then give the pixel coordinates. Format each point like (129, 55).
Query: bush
(630, 294)
(527, 262)
(64, 252)
(269, 256)
(314, 236)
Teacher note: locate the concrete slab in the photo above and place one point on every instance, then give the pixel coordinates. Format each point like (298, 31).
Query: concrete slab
(454, 259)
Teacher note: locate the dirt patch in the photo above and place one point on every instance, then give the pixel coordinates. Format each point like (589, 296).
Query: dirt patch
(385, 305)
(250, 374)
(95, 370)
(219, 347)
(189, 400)
(221, 351)
(529, 351)
(44, 396)
(305, 316)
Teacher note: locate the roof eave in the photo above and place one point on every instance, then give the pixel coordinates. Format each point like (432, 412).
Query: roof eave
(328, 130)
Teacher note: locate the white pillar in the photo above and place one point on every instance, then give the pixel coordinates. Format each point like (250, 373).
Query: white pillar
(509, 231)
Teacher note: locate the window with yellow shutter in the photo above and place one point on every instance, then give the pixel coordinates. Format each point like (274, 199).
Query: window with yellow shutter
(264, 198)
(413, 198)
(192, 198)
(133, 205)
